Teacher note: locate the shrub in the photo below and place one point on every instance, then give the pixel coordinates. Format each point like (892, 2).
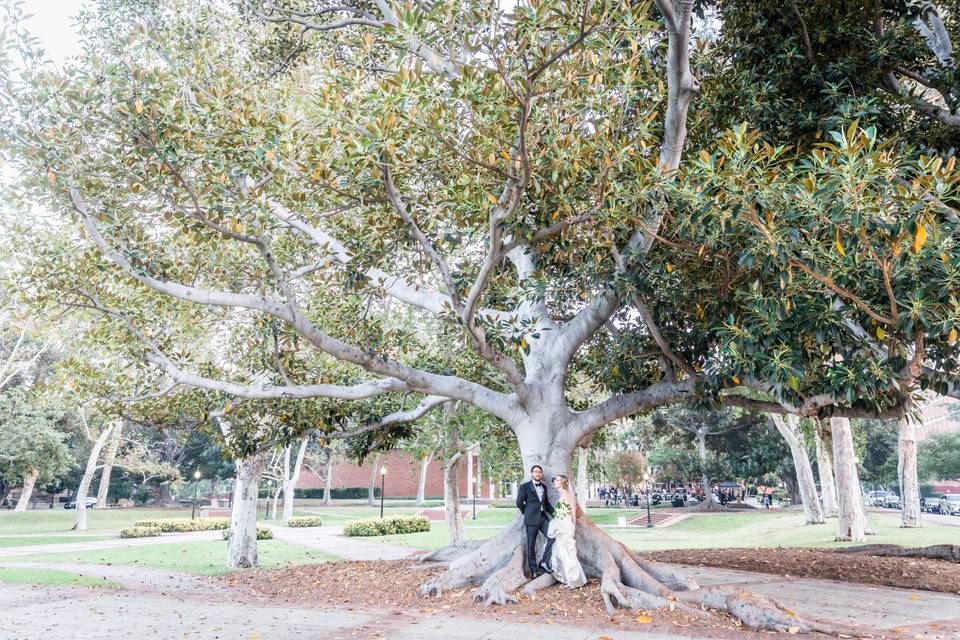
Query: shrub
(263, 533)
(387, 526)
(304, 521)
(138, 531)
(342, 493)
(185, 525)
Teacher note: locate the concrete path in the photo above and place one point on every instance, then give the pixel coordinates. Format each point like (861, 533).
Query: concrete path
(881, 607)
(330, 539)
(113, 543)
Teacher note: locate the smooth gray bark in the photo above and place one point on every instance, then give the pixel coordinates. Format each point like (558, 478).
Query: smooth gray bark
(907, 473)
(852, 523)
(104, 489)
(789, 428)
(242, 548)
(29, 482)
(80, 519)
(828, 487)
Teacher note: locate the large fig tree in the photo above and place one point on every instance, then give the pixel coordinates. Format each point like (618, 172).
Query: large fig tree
(519, 177)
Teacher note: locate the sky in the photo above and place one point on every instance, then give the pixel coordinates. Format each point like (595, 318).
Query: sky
(52, 23)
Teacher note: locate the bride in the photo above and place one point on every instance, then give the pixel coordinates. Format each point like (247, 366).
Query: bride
(566, 566)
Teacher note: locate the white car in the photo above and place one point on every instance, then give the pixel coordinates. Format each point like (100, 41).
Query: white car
(950, 504)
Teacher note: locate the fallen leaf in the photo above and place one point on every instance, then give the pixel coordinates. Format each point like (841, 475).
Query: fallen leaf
(644, 619)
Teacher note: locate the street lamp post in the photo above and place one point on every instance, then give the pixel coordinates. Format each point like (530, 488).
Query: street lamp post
(196, 484)
(383, 484)
(646, 482)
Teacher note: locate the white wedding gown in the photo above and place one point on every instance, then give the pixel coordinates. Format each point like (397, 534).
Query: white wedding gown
(566, 566)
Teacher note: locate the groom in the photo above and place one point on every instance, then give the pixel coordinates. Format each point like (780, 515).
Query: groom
(533, 502)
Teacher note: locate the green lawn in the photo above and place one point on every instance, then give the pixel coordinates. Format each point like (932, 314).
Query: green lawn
(745, 529)
(24, 541)
(16, 575)
(207, 557)
(59, 521)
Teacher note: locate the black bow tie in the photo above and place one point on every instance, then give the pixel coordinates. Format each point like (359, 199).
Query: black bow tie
(537, 484)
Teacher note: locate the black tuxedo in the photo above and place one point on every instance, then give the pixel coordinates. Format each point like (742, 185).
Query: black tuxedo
(536, 519)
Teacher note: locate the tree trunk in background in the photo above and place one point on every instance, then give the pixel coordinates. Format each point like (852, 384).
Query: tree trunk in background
(422, 483)
(828, 488)
(373, 480)
(108, 459)
(708, 504)
(451, 499)
(80, 520)
(583, 491)
(451, 478)
(853, 520)
(214, 485)
(907, 474)
(273, 502)
(789, 428)
(328, 478)
(242, 548)
(291, 477)
(29, 482)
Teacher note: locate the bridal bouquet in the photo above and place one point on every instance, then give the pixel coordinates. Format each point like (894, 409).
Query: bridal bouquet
(561, 509)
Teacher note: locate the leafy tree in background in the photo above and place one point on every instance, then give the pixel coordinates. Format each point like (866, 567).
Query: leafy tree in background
(939, 457)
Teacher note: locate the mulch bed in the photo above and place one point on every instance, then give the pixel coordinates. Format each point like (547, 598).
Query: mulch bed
(392, 585)
(803, 562)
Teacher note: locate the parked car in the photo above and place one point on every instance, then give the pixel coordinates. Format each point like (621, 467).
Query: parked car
(883, 499)
(950, 504)
(89, 501)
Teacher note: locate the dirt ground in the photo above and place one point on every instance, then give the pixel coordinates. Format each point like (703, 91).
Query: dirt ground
(802, 562)
(392, 583)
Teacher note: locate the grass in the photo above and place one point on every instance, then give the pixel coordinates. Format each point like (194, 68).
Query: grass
(16, 575)
(24, 541)
(206, 557)
(745, 529)
(59, 521)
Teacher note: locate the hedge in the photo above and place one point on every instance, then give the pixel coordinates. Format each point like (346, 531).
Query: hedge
(140, 532)
(351, 493)
(304, 521)
(387, 526)
(263, 533)
(185, 525)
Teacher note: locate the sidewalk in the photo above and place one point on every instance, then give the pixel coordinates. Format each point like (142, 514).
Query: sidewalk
(330, 539)
(113, 543)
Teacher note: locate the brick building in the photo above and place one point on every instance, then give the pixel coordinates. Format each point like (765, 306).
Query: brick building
(403, 474)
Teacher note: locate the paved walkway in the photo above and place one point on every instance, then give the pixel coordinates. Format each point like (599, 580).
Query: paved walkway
(330, 539)
(113, 543)
(163, 604)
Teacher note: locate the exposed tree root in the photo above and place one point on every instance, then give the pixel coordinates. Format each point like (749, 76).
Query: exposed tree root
(625, 581)
(450, 553)
(474, 567)
(708, 504)
(497, 588)
(949, 552)
(539, 583)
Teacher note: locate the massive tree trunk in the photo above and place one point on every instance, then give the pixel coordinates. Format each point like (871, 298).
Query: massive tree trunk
(496, 566)
(853, 519)
(242, 549)
(80, 520)
(789, 428)
(422, 483)
(828, 488)
(29, 482)
(907, 474)
(371, 488)
(111, 455)
(291, 477)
